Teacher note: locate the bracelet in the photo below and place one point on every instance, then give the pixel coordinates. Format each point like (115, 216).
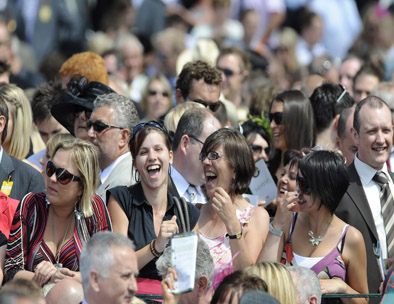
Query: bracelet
(275, 231)
(153, 249)
(235, 236)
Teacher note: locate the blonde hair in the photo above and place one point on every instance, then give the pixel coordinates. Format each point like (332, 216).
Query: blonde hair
(84, 157)
(55, 140)
(277, 277)
(172, 118)
(20, 109)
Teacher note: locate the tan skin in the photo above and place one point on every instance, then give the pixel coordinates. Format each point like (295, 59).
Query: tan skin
(63, 199)
(152, 151)
(218, 216)
(321, 222)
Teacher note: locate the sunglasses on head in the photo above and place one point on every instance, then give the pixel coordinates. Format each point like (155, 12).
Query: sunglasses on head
(214, 106)
(154, 93)
(226, 72)
(62, 175)
(277, 117)
(259, 149)
(151, 123)
(99, 126)
(211, 155)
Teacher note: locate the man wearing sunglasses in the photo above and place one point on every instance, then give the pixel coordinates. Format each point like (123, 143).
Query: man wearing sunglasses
(187, 171)
(17, 178)
(109, 127)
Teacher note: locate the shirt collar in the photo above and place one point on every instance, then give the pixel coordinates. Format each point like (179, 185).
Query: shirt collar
(366, 172)
(107, 171)
(139, 198)
(181, 183)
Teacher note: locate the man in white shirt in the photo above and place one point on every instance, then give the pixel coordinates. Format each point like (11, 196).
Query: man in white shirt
(361, 206)
(187, 171)
(111, 123)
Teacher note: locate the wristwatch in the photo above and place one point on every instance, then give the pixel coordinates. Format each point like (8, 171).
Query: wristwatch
(235, 236)
(275, 231)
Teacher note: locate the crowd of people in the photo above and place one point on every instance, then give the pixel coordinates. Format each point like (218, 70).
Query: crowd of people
(125, 123)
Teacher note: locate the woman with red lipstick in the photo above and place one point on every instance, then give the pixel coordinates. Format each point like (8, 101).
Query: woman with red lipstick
(233, 229)
(312, 236)
(49, 229)
(292, 125)
(146, 212)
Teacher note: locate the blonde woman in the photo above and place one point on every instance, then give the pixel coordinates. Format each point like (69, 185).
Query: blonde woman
(278, 278)
(38, 249)
(17, 142)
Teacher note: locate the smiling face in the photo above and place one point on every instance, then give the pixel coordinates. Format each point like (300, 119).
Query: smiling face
(277, 129)
(153, 160)
(306, 201)
(158, 100)
(218, 172)
(287, 180)
(63, 195)
(259, 146)
(375, 139)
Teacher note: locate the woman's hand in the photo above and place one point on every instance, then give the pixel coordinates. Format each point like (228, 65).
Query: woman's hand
(285, 206)
(332, 286)
(43, 273)
(167, 230)
(225, 209)
(60, 274)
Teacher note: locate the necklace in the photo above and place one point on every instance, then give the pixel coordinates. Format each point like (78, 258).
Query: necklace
(57, 256)
(315, 241)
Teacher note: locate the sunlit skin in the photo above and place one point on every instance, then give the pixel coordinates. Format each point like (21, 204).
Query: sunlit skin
(158, 104)
(277, 130)
(232, 85)
(363, 86)
(49, 127)
(258, 140)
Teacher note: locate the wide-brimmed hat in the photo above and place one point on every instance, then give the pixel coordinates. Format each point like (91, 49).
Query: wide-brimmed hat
(78, 96)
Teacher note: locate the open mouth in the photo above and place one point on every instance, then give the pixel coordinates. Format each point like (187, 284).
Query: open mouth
(153, 169)
(379, 149)
(210, 177)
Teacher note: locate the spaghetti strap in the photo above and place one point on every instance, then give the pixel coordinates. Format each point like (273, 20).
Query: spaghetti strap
(341, 242)
(293, 221)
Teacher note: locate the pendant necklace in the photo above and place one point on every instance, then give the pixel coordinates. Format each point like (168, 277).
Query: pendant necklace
(57, 256)
(315, 241)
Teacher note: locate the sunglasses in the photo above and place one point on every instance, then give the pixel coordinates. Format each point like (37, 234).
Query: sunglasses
(211, 155)
(62, 175)
(79, 111)
(214, 106)
(151, 123)
(277, 117)
(99, 126)
(195, 138)
(154, 93)
(259, 149)
(227, 72)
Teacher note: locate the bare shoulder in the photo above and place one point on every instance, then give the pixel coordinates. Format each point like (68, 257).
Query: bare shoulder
(260, 215)
(354, 239)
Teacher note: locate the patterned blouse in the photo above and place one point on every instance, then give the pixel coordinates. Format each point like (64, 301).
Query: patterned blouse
(26, 246)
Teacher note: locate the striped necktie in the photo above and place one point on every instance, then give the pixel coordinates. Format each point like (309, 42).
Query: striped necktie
(387, 204)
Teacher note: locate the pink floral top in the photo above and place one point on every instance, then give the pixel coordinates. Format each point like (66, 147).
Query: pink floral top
(220, 246)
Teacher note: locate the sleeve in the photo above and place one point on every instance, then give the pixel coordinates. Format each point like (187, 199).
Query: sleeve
(101, 215)
(16, 257)
(194, 214)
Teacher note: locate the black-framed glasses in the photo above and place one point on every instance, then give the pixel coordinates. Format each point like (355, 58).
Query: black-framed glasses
(154, 93)
(99, 126)
(62, 175)
(195, 138)
(277, 117)
(259, 149)
(227, 72)
(211, 155)
(214, 106)
(151, 123)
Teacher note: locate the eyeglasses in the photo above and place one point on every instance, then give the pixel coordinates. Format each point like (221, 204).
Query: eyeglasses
(151, 123)
(79, 111)
(214, 106)
(211, 155)
(227, 72)
(195, 138)
(259, 149)
(154, 93)
(99, 126)
(277, 117)
(62, 175)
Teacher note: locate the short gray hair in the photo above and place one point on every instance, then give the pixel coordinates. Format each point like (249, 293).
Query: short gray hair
(126, 115)
(204, 262)
(98, 254)
(306, 284)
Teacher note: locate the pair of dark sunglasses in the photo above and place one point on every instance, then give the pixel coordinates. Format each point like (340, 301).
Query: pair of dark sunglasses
(211, 155)
(277, 117)
(99, 126)
(87, 113)
(154, 93)
(151, 123)
(227, 72)
(259, 149)
(62, 175)
(214, 106)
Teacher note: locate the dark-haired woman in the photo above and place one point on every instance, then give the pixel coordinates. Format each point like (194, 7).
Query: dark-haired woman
(313, 237)
(233, 229)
